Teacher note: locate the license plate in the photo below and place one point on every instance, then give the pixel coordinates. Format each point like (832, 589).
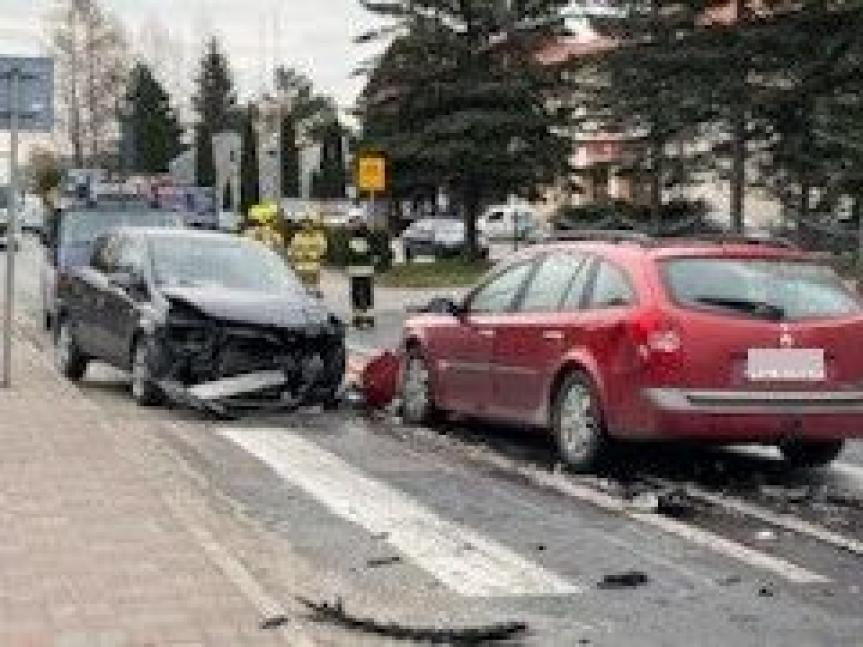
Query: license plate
(785, 364)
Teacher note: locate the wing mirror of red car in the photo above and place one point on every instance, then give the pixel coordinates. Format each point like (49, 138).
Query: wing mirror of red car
(444, 306)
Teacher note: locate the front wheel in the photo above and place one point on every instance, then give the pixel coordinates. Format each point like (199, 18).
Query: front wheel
(803, 454)
(144, 389)
(69, 359)
(577, 423)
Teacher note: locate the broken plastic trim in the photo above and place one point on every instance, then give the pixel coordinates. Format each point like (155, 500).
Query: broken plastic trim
(482, 635)
(214, 398)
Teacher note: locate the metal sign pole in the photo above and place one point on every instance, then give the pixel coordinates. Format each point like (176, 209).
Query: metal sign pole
(12, 232)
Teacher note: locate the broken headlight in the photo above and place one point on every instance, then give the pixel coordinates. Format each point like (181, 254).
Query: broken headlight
(186, 330)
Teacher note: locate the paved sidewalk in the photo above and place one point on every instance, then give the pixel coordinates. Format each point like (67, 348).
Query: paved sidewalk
(96, 549)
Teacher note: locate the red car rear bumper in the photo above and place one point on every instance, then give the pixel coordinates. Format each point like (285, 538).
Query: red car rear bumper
(748, 416)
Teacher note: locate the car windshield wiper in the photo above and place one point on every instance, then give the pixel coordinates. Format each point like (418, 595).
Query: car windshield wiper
(755, 308)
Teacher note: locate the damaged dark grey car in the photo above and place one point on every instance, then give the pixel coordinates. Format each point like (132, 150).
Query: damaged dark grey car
(209, 320)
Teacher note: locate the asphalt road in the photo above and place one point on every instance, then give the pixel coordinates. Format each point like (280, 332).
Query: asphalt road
(469, 524)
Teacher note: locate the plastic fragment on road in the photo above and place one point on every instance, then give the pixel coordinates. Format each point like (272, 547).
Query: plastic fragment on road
(482, 635)
(377, 378)
(626, 580)
(275, 622)
(384, 561)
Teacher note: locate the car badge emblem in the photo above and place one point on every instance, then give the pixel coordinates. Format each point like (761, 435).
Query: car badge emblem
(785, 338)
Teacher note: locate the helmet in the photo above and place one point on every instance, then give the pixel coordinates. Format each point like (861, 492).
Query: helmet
(263, 214)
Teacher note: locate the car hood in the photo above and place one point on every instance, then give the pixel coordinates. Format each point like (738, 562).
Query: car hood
(290, 310)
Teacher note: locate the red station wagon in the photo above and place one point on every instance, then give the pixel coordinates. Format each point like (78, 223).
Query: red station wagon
(722, 341)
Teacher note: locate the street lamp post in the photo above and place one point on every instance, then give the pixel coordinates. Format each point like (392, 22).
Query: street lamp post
(12, 227)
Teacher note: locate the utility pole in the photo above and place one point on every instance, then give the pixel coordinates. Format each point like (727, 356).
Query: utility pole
(26, 104)
(14, 80)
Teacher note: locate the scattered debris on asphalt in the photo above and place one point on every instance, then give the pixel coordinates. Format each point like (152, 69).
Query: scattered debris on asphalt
(676, 503)
(383, 561)
(463, 636)
(765, 535)
(766, 591)
(274, 622)
(730, 580)
(625, 580)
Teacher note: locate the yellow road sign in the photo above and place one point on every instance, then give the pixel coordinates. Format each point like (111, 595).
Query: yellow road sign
(372, 173)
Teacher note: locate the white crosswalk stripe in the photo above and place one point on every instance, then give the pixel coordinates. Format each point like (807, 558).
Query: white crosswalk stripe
(462, 559)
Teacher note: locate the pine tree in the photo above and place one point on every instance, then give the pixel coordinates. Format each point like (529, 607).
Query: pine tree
(214, 102)
(649, 86)
(461, 99)
(814, 103)
(290, 158)
(153, 126)
(250, 193)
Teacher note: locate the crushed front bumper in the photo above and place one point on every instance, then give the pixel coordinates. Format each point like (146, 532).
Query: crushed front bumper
(227, 367)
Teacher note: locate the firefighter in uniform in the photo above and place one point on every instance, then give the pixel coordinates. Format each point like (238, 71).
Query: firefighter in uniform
(263, 227)
(361, 270)
(307, 250)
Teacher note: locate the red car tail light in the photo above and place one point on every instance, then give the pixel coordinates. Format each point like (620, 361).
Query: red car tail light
(657, 340)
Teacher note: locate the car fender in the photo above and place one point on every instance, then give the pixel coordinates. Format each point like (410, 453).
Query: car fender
(578, 358)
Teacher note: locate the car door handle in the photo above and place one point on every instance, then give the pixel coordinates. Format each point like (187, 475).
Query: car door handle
(552, 335)
(488, 334)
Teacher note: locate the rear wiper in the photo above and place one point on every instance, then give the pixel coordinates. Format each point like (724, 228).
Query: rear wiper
(755, 308)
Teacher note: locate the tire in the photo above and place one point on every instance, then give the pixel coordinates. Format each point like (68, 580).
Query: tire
(145, 392)
(417, 401)
(70, 361)
(805, 454)
(577, 423)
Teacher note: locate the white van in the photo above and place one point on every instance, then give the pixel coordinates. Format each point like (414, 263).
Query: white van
(506, 221)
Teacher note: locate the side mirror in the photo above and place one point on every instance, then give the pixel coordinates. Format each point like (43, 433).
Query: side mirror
(444, 305)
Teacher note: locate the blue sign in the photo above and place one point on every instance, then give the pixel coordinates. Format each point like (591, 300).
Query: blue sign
(35, 93)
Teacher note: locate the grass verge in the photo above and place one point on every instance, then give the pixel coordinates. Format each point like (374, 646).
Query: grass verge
(440, 274)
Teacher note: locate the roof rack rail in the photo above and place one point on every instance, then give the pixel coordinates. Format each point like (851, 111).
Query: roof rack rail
(603, 235)
(729, 239)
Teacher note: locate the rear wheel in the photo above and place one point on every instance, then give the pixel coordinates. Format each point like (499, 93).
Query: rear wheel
(417, 401)
(144, 389)
(802, 453)
(577, 423)
(69, 359)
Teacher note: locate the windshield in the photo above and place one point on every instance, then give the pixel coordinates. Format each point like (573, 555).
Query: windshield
(769, 289)
(228, 262)
(83, 227)
(4, 197)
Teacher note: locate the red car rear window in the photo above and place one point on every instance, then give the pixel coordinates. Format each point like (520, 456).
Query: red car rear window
(777, 289)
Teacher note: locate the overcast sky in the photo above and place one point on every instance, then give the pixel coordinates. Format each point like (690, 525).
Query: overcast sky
(314, 35)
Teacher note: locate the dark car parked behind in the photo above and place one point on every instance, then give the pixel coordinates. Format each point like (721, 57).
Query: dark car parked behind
(215, 320)
(69, 236)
